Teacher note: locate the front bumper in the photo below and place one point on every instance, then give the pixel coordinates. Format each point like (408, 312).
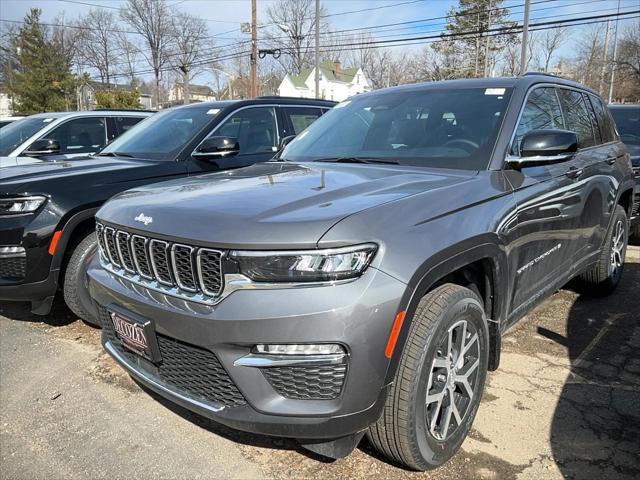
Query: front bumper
(357, 315)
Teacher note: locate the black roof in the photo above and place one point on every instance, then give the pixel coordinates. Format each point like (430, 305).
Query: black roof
(260, 101)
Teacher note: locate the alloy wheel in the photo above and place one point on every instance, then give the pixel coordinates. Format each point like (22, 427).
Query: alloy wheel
(618, 242)
(452, 380)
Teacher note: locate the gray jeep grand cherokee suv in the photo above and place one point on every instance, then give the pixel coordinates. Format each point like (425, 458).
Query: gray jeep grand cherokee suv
(361, 282)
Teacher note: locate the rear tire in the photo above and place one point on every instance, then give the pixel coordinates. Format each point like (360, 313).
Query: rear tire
(75, 288)
(419, 427)
(604, 276)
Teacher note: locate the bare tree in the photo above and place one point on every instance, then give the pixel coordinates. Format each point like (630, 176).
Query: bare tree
(129, 55)
(188, 45)
(292, 31)
(588, 56)
(628, 64)
(98, 42)
(152, 19)
(550, 42)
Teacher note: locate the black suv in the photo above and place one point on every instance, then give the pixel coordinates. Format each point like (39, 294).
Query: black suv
(47, 209)
(361, 282)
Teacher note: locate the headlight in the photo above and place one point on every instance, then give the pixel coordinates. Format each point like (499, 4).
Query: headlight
(18, 205)
(305, 265)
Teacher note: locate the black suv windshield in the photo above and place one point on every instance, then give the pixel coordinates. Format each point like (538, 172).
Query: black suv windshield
(14, 134)
(628, 123)
(163, 135)
(452, 128)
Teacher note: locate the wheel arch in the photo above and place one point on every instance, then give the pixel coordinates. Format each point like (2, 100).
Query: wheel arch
(78, 225)
(487, 258)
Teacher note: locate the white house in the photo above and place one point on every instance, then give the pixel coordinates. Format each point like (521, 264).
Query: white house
(335, 83)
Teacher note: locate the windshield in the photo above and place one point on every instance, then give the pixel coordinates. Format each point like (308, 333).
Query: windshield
(452, 128)
(628, 124)
(162, 136)
(14, 134)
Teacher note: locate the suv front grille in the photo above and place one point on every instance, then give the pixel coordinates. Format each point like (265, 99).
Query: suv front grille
(172, 267)
(185, 368)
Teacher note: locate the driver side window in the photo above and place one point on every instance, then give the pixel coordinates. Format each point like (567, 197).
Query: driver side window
(255, 128)
(541, 112)
(81, 135)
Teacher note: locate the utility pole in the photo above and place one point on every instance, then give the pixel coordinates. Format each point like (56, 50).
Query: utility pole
(477, 44)
(317, 51)
(254, 51)
(525, 38)
(603, 72)
(615, 56)
(486, 47)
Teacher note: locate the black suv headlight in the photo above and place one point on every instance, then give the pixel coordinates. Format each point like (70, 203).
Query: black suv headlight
(305, 265)
(21, 205)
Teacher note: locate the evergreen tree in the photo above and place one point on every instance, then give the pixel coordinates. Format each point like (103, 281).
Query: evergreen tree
(470, 36)
(41, 80)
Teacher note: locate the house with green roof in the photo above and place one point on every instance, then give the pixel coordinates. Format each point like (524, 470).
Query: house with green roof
(336, 83)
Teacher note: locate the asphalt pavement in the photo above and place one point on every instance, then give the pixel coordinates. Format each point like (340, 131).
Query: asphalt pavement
(565, 403)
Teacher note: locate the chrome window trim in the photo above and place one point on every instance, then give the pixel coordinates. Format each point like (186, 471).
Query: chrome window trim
(119, 247)
(510, 158)
(263, 105)
(200, 279)
(135, 257)
(175, 267)
(154, 267)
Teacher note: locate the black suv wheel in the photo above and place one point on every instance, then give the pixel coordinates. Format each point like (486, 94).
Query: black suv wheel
(75, 288)
(439, 382)
(605, 275)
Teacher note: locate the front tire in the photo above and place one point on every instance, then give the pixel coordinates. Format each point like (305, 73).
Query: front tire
(75, 288)
(604, 276)
(437, 389)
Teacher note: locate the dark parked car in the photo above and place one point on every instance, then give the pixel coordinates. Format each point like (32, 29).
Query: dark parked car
(47, 208)
(362, 282)
(66, 135)
(627, 118)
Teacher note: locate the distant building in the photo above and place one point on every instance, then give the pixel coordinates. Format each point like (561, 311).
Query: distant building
(197, 93)
(335, 83)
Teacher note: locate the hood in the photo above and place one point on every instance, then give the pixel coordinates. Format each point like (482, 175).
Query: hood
(19, 178)
(274, 204)
(13, 161)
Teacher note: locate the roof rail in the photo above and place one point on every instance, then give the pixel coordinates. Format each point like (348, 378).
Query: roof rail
(278, 97)
(122, 110)
(543, 74)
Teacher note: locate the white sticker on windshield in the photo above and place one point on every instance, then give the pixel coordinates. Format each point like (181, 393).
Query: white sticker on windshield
(494, 91)
(342, 104)
(47, 120)
(213, 111)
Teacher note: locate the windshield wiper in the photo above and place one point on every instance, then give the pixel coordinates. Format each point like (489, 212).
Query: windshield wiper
(114, 154)
(358, 160)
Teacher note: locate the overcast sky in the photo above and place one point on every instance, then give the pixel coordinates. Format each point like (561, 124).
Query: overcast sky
(226, 15)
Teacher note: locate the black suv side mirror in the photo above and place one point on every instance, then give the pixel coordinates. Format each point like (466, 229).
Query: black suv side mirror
(43, 146)
(540, 147)
(217, 147)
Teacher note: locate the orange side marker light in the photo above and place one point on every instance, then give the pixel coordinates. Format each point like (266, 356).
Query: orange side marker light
(393, 336)
(54, 241)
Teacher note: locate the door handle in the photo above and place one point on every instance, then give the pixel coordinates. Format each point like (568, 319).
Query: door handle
(611, 160)
(574, 172)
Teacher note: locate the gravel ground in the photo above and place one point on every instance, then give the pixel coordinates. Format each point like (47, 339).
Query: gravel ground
(565, 403)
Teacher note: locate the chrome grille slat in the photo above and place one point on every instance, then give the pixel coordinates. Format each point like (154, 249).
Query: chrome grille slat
(186, 271)
(182, 263)
(159, 252)
(209, 267)
(124, 251)
(140, 256)
(112, 250)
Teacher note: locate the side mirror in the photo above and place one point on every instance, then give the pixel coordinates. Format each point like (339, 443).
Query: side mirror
(217, 147)
(285, 141)
(540, 147)
(43, 146)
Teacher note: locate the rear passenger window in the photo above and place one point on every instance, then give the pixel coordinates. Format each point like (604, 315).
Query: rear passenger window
(301, 117)
(604, 120)
(125, 123)
(594, 123)
(541, 112)
(576, 116)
